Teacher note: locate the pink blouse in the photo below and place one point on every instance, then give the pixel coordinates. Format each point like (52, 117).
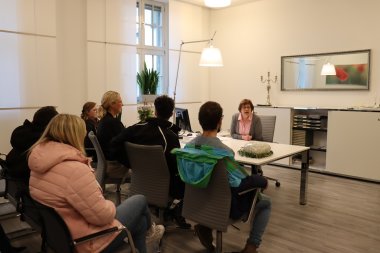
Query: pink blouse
(244, 125)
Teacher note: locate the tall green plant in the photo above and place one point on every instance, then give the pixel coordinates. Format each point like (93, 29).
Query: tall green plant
(147, 80)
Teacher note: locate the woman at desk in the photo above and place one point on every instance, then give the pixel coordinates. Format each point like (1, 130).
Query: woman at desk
(246, 125)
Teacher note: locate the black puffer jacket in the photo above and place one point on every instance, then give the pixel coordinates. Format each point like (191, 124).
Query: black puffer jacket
(23, 137)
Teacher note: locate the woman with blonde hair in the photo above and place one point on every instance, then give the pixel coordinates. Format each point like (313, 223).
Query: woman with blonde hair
(62, 179)
(109, 127)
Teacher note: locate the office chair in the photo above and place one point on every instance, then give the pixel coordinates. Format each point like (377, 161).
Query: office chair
(150, 175)
(268, 124)
(55, 233)
(211, 206)
(101, 169)
(12, 191)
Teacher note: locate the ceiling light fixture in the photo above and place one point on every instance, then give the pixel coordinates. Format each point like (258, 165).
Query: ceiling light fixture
(217, 3)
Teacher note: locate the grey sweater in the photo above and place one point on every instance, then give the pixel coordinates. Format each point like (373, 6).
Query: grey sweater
(255, 131)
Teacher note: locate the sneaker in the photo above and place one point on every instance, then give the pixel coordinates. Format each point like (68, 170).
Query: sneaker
(155, 233)
(205, 236)
(249, 248)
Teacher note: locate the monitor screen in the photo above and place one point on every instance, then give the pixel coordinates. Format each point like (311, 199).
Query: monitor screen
(182, 119)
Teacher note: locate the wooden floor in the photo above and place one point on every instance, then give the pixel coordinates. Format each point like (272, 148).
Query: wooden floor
(342, 215)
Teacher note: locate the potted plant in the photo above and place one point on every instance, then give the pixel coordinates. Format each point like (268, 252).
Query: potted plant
(147, 80)
(145, 111)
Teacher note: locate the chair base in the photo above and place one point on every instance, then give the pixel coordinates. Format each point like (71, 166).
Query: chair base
(274, 179)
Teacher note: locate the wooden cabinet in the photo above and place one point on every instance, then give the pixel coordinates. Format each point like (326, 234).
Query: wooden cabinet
(354, 144)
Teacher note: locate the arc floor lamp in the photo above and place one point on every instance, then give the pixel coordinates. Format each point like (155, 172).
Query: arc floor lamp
(210, 57)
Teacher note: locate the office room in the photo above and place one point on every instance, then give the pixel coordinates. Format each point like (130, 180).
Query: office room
(65, 53)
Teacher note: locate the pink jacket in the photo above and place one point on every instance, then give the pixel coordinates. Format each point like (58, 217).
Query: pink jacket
(61, 178)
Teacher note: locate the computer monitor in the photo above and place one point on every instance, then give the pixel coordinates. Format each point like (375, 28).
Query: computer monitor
(182, 119)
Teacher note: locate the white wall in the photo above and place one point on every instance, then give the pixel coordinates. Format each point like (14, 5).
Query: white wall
(67, 52)
(188, 23)
(254, 36)
(28, 62)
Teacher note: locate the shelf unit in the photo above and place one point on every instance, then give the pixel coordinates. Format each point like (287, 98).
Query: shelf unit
(309, 128)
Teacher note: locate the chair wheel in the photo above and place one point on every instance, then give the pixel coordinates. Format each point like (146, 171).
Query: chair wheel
(278, 184)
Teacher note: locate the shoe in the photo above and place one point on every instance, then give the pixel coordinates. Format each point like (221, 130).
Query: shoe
(155, 233)
(249, 248)
(181, 222)
(176, 210)
(205, 237)
(18, 249)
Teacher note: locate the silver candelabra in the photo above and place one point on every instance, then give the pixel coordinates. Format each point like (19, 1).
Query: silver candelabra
(268, 82)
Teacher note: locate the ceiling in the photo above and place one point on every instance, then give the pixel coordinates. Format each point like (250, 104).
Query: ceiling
(201, 2)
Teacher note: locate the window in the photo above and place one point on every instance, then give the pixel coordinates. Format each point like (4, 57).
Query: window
(151, 27)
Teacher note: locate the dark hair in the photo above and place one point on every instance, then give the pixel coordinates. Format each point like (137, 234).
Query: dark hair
(164, 106)
(245, 102)
(210, 115)
(86, 108)
(43, 116)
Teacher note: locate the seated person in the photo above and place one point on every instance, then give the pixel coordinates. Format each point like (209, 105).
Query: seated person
(61, 178)
(90, 116)
(157, 131)
(109, 126)
(210, 118)
(246, 125)
(23, 137)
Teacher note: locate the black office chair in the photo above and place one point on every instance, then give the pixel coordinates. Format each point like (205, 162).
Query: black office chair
(55, 233)
(13, 190)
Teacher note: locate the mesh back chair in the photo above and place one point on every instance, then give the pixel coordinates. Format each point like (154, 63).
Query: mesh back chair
(13, 191)
(55, 233)
(101, 169)
(211, 206)
(150, 174)
(268, 123)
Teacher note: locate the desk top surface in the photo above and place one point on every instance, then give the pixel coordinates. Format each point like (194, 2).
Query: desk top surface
(279, 150)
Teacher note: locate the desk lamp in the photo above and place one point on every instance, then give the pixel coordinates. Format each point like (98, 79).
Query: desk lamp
(210, 57)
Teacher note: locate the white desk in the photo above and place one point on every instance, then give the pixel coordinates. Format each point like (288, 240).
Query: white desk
(279, 151)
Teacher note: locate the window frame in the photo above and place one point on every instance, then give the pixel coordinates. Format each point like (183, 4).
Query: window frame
(142, 50)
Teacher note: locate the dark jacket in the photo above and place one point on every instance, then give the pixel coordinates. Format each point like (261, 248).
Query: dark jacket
(148, 133)
(91, 125)
(108, 128)
(23, 137)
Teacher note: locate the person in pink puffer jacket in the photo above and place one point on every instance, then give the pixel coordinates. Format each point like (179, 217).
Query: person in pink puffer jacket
(62, 178)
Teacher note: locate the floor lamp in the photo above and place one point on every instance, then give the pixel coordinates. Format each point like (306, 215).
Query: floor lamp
(210, 57)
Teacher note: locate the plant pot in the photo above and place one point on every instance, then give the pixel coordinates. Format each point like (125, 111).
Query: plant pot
(147, 98)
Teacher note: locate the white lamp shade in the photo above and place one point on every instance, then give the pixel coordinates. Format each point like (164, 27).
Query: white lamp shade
(217, 3)
(211, 57)
(328, 69)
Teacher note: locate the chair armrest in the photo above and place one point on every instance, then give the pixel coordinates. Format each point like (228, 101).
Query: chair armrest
(105, 232)
(246, 191)
(251, 211)
(97, 235)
